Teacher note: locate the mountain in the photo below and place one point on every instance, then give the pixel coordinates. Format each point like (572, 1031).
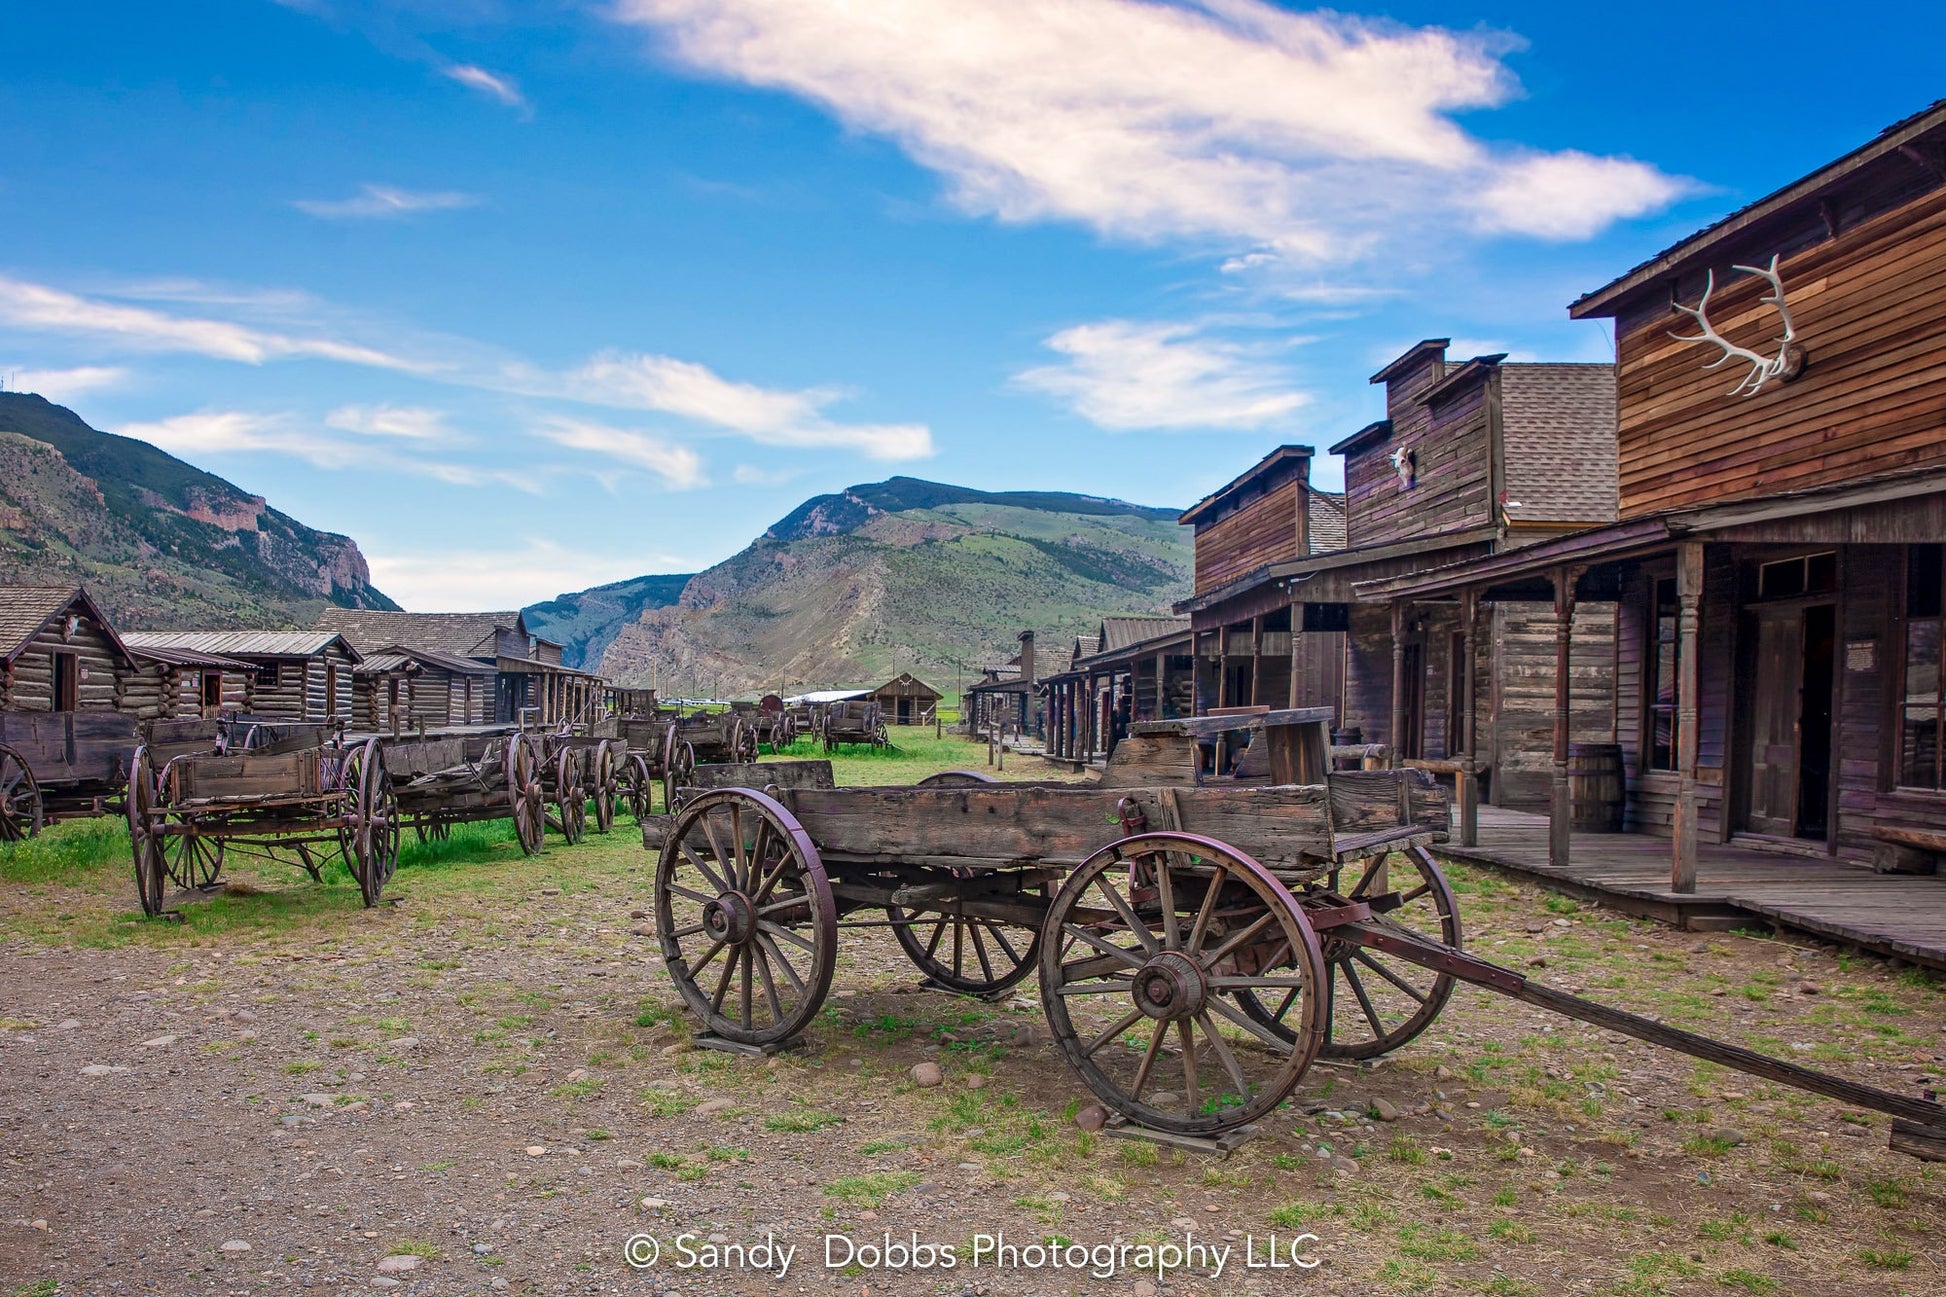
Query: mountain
(905, 575)
(586, 622)
(159, 542)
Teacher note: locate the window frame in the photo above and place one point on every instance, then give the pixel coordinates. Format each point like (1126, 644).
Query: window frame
(1901, 697)
(1653, 710)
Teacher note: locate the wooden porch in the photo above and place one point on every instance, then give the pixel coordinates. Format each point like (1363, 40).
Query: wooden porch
(1896, 915)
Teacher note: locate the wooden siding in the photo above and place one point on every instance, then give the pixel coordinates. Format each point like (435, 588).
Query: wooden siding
(28, 685)
(1454, 445)
(1521, 717)
(1267, 530)
(1869, 307)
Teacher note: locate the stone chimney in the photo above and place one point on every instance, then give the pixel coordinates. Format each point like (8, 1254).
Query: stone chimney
(1027, 657)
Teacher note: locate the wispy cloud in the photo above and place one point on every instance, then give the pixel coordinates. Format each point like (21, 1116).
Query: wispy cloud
(1310, 135)
(495, 85)
(63, 385)
(458, 580)
(751, 475)
(408, 422)
(1126, 374)
(385, 202)
(679, 467)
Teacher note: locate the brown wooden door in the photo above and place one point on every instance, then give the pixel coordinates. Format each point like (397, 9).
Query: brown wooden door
(1770, 764)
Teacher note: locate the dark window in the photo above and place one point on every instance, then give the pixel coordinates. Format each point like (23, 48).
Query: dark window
(67, 682)
(1791, 577)
(267, 675)
(1327, 616)
(213, 690)
(1662, 669)
(1920, 715)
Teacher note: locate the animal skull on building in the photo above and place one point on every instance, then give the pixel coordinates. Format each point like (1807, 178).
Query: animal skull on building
(1784, 366)
(1405, 463)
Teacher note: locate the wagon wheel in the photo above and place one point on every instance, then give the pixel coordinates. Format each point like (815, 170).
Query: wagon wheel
(957, 779)
(1141, 951)
(1377, 1002)
(375, 815)
(20, 798)
(150, 869)
(432, 830)
(191, 859)
(681, 767)
(570, 796)
(746, 743)
(968, 954)
(744, 910)
(521, 767)
(637, 786)
(604, 784)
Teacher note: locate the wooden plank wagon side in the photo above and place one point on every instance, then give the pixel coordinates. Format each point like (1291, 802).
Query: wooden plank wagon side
(653, 750)
(60, 765)
(719, 737)
(854, 720)
(443, 780)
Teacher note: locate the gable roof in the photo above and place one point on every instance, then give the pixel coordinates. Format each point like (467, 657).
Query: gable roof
(1120, 632)
(1268, 463)
(244, 643)
(462, 634)
(26, 610)
(1330, 524)
(1558, 421)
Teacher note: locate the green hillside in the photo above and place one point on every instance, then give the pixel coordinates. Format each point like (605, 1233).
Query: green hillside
(159, 542)
(905, 575)
(586, 622)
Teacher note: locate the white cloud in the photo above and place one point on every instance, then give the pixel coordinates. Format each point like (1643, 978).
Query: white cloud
(751, 475)
(496, 85)
(679, 467)
(64, 385)
(1308, 134)
(465, 579)
(384, 202)
(242, 432)
(1125, 374)
(407, 422)
(36, 306)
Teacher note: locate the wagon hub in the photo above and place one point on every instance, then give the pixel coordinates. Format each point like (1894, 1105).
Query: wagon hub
(731, 918)
(1170, 986)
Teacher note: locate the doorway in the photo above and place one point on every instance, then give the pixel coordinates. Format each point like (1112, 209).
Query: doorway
(1410, 740)
(1786, 766)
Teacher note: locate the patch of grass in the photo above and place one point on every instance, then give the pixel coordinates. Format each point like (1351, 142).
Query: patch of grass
(412, 1247)
(582, 1089)
(1406, 1149)
(1735, 1227)
(1298, 1212)
(1888, 1193)
(1510, 1231)
(799, 1123)
(1443, 1244)
(1407, 1276)
(302, 1066)
(1886, 1258)
(1749, 1281)
(666, 1161)
(665, 1103)
(871, 1189)
(67, 854)
(1778, 1238)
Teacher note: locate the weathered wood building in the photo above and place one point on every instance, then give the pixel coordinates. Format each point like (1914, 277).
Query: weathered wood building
(1473, 458)
(1131, 669)
(906, 700)
(58, 652)
(1779, 565)
(184, 684)
(1007, 695)
(529, 677)
(402, 688)
(299, 675)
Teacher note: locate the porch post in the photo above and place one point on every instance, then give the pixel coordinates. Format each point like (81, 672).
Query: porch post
(1469, 776)
(1560, 807)
(1161, 685)
(1397, 734)
(1223, 665)
(1689, 598)
(1256, 659)
(1297, 627)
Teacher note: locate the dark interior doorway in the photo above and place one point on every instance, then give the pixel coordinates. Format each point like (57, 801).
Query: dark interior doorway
(1814, 722)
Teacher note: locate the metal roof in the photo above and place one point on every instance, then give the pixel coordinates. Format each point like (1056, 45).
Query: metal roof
(1120, 632)
(829, 696)
(181, 657)
(244, 643)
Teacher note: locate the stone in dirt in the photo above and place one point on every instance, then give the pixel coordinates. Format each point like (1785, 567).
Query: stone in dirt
(158, 1042)
(1143, 1288)
(1165, 1098)
(235, 1245)
(654, 1204)
(1384, 1110)
(403, 1042)
(535, 1150)
(101, 1069)
(1727, 1136)
(398, 1264)
(927, 1075)
(976, 1081)
(1092, 1117)
(712, 1106)
(1344, 1164)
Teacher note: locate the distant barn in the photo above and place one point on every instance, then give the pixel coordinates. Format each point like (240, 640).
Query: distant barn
(907, 700)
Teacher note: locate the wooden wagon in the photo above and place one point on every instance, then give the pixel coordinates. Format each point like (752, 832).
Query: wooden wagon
(445, 779)
(1197, 947)
(55, 765)
(770, 721)
(580, 769)
(854, 720)
(653, 750)
(302, 805)
(718, 737)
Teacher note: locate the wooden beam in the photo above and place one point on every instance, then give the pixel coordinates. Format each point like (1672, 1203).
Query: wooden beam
(1560, 806)
(1256, 659)
(1469, 776)
(1297, 626)
(1689, 597)
(1397, 735)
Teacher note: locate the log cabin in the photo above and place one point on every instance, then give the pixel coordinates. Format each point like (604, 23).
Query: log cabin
(1779, 561)
(58, 652)
(1474, 457)
(906, 700)
(184, 684)
(530, 678)
(298, 675)
(1133, 668)
(400, 688)
(1007, 696)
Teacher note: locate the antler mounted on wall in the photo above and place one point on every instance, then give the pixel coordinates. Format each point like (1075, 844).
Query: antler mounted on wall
(1784, 366)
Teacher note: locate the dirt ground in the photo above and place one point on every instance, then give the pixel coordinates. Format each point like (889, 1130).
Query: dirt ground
(488, 1086)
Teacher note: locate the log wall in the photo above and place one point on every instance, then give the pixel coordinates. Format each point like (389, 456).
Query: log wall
(29, 684)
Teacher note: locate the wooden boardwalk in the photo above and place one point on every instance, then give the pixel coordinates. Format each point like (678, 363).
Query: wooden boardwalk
(1892, 914)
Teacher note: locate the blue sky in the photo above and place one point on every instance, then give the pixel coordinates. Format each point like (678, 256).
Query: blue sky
(530, 296)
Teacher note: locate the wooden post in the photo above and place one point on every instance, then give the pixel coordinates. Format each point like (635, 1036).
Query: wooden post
(1469, 776)
(1223, 665)
(1397, 735)
(1560, 808)
(1256, 659)
(1297, 626)
(1161, 686)
(1689, 598)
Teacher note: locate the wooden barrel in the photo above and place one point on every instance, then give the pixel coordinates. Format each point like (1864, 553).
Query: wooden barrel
(1595, 787)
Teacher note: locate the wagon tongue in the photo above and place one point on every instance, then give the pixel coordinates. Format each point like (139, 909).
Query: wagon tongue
(1918, 1125)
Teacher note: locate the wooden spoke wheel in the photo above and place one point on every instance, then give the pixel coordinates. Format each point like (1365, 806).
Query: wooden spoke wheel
(1142, 952)
(21, 809)
(191, 858)
(151, 873)
(682, 765)
(638, 786)
(521, 768)
(375, 822)
(1377, 1002)
(744, 911)
(744, 743)
(957, 779)
(966, 953)
(604, 784)
(570, 796)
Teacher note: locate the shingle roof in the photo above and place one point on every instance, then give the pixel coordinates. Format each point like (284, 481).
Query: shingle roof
(25, 609)
(463, 634)
(1561, 464)
(240, 643)
(1120, 632)
(1330, 529)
